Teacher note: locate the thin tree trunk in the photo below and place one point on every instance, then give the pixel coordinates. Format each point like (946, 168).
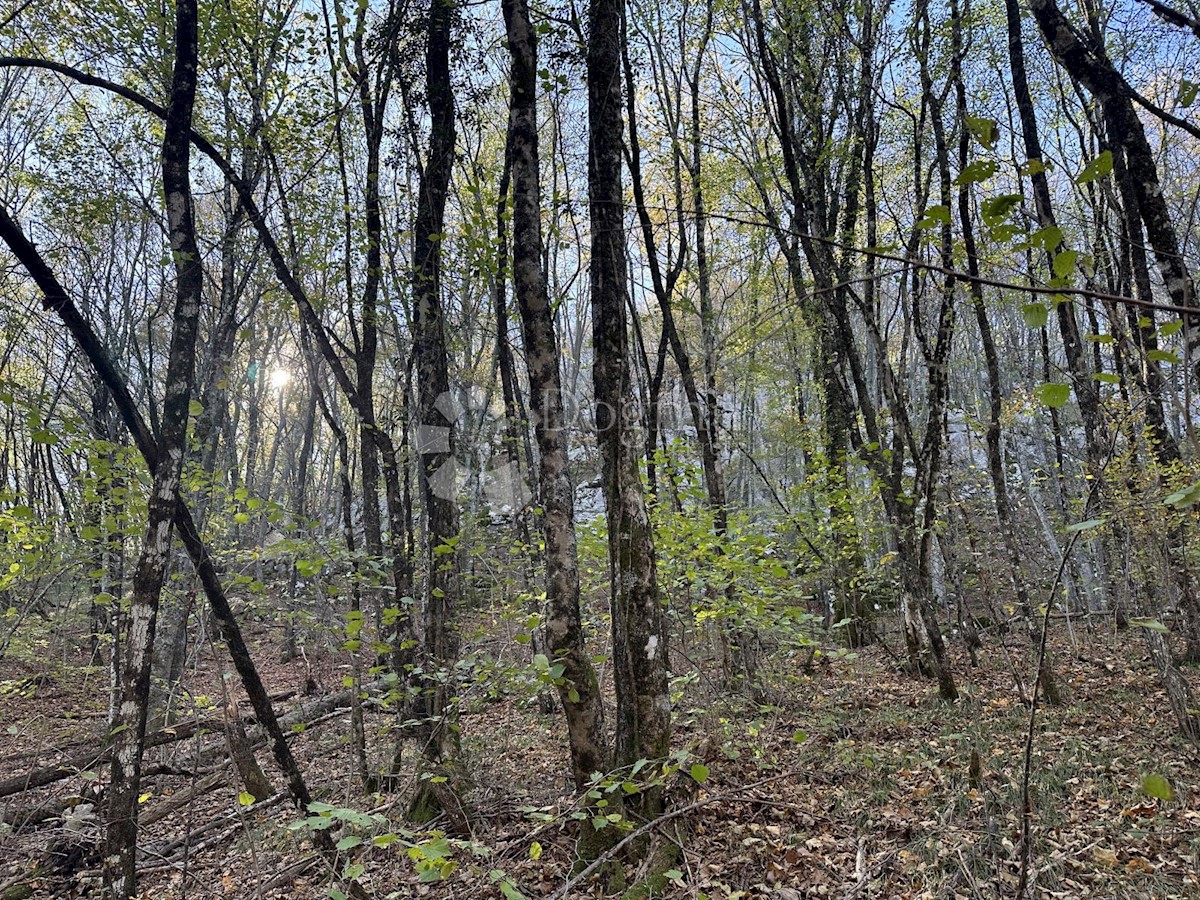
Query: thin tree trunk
(643, 726)
(995, 456)
(56, 299)
(129, 728)
(1089, 65)
(437, 730)
(563, 629)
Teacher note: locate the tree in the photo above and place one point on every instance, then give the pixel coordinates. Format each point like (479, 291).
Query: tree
(643, 724)
(129, 727)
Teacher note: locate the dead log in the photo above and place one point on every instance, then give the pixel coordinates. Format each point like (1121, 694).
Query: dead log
(82, 762)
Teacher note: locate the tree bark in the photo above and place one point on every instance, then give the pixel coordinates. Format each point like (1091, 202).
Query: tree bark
(56, 299)
(129, 727)
(439, 488)
(643, 727)
(1090, 66)
(579, 690)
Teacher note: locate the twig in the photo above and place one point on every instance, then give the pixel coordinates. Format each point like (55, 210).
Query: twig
(1026, 803)
(875, 871)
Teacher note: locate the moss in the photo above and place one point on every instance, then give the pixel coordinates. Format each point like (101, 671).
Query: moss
(443, 792)
(593, 843)
(665, 856)
(425, 806)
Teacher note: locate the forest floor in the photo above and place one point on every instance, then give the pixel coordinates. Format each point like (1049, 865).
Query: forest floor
(855, 781)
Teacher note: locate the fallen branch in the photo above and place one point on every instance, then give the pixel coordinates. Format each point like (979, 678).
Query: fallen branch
(876, 871)
(18, 817)
(82, 762)
(180, 799)
(233, 818)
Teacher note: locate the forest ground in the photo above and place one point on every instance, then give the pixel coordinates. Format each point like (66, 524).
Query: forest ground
(853, 782)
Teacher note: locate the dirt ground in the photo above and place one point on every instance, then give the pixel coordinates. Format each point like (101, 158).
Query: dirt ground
(853, 780)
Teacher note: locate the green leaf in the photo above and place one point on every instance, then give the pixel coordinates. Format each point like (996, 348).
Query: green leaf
(1034, 314)
(1053, 395)
(1095, 170)
(535, 851)
(510, 892)
(977, 170)
(1158, 787)
(1085, 526)
(350, 840)
(1107, 378)
(438, 848)
(1162, 356)
(1048, 238)
(1152, 624)
(195, 408)
(1171, 328)
(1184, 497)
(983, 130)
(1033, 167)
(1064, 263)
(673, 875)
(996, 209)
(699, 773)
(42, 436)
(1186, 95)
(934, 216)
(246, 799)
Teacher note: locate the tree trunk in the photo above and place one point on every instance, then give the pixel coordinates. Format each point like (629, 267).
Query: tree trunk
(437, 730)
(643, 727)
(578, 689)
(129, 728)
(1090, 66)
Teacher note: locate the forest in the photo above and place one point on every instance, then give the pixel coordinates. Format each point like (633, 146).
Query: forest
(704, 449)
